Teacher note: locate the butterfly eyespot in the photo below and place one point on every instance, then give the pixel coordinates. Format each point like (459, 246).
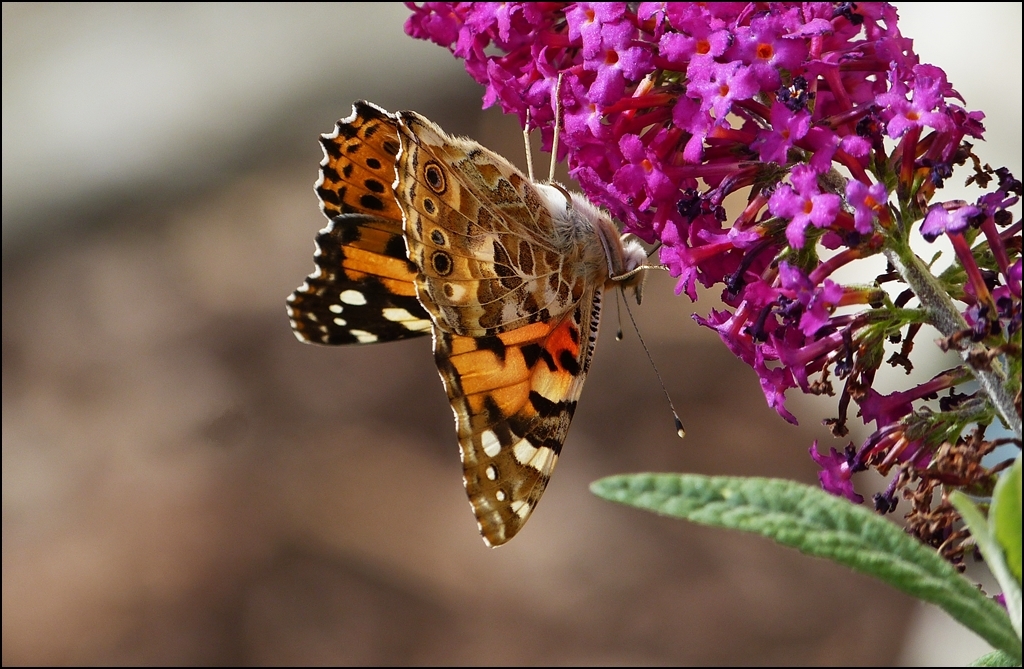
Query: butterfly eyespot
(428, 206)
(441, 262)
(434, 175)
(436, 236)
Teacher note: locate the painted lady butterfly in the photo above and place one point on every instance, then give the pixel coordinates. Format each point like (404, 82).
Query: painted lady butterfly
(432, 233)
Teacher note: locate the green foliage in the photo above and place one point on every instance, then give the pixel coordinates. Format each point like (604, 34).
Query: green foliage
(1006, 517)
(819, 524)
(996, 658)
(994, 534)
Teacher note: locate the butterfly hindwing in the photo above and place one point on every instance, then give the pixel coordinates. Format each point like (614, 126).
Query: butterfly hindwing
(363, 289)
(514, 395)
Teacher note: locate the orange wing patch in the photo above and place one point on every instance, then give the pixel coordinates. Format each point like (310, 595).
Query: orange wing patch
(358, 169)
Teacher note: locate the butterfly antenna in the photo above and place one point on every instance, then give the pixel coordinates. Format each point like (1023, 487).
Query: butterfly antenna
(526, 139)
(680, 430)
(558, 128)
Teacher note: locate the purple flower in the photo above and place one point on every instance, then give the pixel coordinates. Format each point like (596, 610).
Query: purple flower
(717, 85)
(947, 217)
(836, 470)
(765, 47)
(774, 384)
(925, 106)
(786, 128)
(866, 201)
(818, 302)
(678, 49)
(803, 204)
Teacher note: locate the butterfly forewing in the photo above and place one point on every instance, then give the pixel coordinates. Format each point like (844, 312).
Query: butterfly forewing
(489, 255)
(363, 289)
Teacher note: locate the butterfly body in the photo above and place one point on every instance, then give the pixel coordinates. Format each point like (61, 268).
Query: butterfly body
(432, 233)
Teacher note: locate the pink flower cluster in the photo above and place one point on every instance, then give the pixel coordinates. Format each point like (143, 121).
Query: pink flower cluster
(825, 116)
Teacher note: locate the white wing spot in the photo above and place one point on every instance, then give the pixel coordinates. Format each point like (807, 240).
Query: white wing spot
(544, 460)
(458, 292)
(363, 336)
(521, 508)
(500, 495)
(417, 325)
(524, 451)
(398, 315)
(340, 321)
(335, 308)
(491, 472)
(490, 443)
(353, 297)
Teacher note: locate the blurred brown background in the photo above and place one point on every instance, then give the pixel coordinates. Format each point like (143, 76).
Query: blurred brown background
(183, 482)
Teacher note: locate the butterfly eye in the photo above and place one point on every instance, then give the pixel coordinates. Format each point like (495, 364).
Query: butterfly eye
(435, 177)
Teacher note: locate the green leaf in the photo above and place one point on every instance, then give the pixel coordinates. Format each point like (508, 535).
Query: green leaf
(993, 554)
(1005, 517)
(822, 525)
(996, 658)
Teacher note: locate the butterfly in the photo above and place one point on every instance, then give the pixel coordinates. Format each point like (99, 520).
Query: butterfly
(431, 233)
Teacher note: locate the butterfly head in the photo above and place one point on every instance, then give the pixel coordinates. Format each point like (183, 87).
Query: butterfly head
(634, 267)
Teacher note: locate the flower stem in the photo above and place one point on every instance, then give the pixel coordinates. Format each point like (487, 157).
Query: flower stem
(948, 320)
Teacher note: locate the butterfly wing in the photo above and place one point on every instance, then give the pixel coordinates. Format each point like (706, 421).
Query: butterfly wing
(515, 325)
(489, 256)
(513, 395)
(363, 289)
